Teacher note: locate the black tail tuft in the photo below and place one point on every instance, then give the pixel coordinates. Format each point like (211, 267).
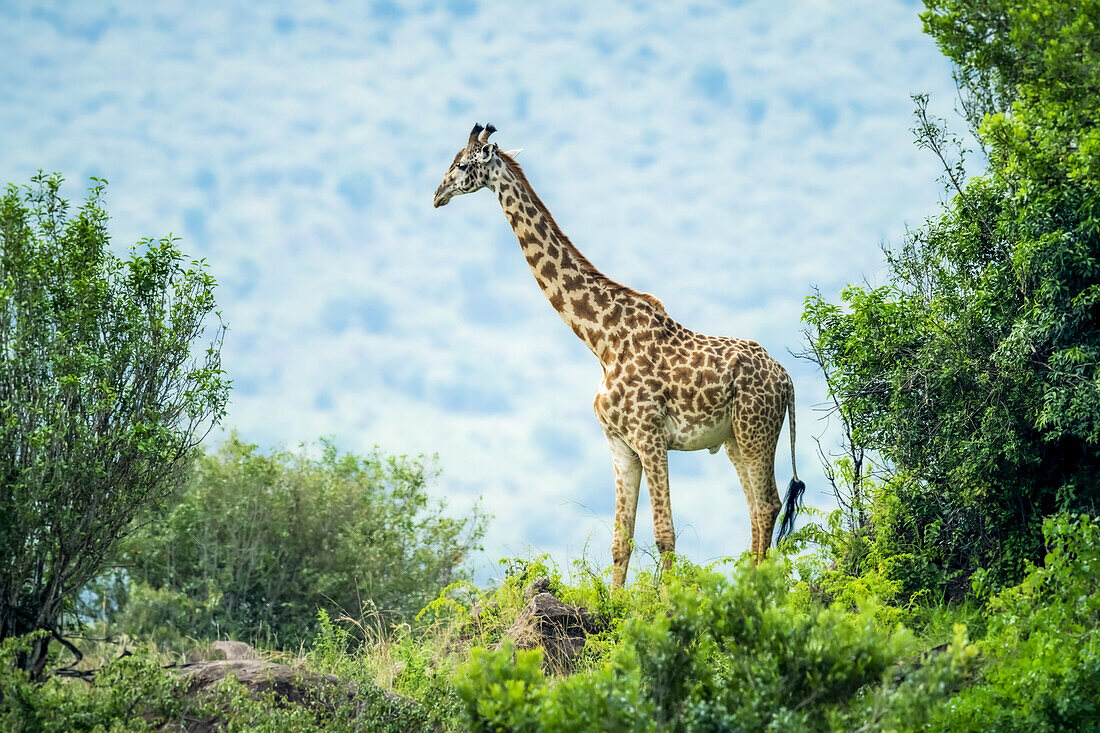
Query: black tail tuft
(791, 506)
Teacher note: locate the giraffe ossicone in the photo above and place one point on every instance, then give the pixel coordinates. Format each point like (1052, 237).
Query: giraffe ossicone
(664, 387)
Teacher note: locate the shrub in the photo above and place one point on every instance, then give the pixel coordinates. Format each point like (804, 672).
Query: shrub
(131, 693)
(1042, 651)
(738, 653)
(259, 542)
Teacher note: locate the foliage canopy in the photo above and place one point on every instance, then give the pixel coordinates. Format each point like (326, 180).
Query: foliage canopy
(258, 542)
(975, 370)
(102, 398)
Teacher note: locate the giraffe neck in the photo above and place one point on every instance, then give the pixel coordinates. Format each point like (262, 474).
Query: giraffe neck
(589, 302)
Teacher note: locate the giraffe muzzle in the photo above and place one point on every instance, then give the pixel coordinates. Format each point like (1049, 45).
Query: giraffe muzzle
(441, 198)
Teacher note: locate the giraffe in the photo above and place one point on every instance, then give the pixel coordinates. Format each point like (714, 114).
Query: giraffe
(664, 387)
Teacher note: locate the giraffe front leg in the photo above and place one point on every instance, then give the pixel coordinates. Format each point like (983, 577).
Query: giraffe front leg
(628, 479)
(655, 465)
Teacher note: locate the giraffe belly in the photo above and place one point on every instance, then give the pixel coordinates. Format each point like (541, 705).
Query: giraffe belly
(685, 435)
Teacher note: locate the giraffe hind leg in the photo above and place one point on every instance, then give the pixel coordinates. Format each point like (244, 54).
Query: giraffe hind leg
(762, 514)
(764, 505)
(755, 436)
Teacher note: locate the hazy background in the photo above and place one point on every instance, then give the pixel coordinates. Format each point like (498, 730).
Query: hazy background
(727, 157)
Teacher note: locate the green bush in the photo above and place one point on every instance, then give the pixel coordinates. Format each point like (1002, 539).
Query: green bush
(258, 543)
(736, 653)
(758, 651)
(132, 693)
(1041, 654)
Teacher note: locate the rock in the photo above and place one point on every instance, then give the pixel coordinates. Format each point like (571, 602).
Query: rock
(290, 686)
(219, 650)
(538, 585)
(558, 628)
(234, 650)
(258, 676)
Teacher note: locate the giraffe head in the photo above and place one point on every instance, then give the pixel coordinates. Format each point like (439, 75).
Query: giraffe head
(473, 168)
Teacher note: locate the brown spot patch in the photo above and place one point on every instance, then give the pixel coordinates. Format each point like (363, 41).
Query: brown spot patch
(582, 307)
(707, 376)
(612, 317)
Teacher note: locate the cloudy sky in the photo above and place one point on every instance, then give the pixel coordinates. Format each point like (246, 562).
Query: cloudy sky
(726, 156)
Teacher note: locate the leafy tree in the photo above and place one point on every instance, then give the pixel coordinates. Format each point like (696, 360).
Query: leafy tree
(259, 542)
(102, 398)
(974, 370)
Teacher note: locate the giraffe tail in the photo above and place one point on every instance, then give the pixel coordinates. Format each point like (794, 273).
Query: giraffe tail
(793, 502)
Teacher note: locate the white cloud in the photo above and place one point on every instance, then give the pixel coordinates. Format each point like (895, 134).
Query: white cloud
(724, 158)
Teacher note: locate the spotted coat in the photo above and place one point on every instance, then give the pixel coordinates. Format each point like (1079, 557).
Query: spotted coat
(664, 387)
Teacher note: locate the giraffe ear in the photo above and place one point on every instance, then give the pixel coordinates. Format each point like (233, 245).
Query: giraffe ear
(488, 152)
(513, 153)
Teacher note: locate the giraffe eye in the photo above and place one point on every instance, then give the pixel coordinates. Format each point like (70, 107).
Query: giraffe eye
(462, 166)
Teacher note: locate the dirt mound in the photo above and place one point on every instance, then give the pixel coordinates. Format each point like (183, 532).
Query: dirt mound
(558, 628)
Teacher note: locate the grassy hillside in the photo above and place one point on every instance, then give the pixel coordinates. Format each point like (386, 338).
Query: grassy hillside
(790, 644)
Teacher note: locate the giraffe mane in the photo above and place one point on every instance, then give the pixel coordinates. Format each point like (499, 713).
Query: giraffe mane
(514, 167)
